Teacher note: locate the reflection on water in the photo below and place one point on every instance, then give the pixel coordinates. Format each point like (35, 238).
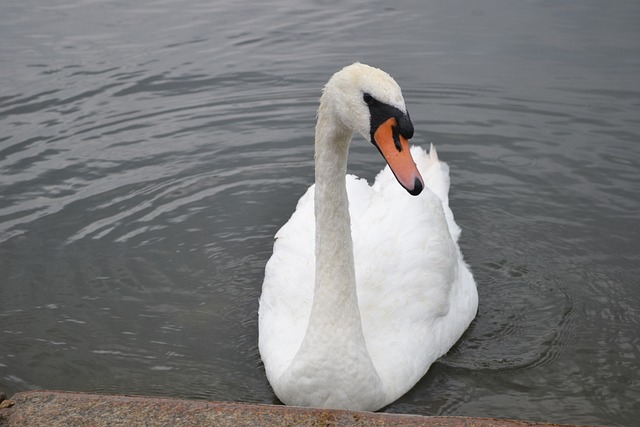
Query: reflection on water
(149, 154)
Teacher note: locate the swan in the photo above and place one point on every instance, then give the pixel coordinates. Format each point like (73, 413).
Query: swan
(366, 286)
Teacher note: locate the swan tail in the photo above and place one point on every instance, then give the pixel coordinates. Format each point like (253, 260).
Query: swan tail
(432, 157)
(436, 174)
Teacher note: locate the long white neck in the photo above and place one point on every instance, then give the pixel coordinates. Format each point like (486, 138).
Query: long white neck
(335, 300)
(334, 336)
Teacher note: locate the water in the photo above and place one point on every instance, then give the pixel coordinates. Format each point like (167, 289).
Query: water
(148, 154)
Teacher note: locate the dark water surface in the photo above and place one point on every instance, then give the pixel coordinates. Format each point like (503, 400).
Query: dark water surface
(149, 152)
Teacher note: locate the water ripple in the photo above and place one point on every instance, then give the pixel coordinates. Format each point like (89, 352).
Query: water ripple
(149, 154)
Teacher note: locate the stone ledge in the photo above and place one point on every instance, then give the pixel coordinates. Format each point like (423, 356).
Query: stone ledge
(56, 408)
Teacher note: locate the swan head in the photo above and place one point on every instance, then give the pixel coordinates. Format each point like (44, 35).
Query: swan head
(368, 101)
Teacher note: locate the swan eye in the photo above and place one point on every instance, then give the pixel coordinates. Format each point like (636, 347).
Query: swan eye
(368, 98)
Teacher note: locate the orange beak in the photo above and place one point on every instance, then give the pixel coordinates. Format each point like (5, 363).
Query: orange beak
(395, 150)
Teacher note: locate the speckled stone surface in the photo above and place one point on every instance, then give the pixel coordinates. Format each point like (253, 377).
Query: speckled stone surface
(54, 408)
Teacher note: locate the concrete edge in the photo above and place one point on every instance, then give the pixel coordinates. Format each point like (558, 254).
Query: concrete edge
(69, 409)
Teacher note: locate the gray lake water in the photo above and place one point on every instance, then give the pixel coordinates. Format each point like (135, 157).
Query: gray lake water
(150, 150)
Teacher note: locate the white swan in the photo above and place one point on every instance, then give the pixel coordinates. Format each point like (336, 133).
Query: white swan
(366, 286)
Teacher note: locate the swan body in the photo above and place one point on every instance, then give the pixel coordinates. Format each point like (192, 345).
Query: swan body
(366, 286)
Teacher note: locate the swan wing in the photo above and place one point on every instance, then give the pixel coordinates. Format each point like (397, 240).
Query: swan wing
(408, 271)
(287, 290)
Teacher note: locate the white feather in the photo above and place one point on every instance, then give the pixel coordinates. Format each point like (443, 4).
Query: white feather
(415, 294)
